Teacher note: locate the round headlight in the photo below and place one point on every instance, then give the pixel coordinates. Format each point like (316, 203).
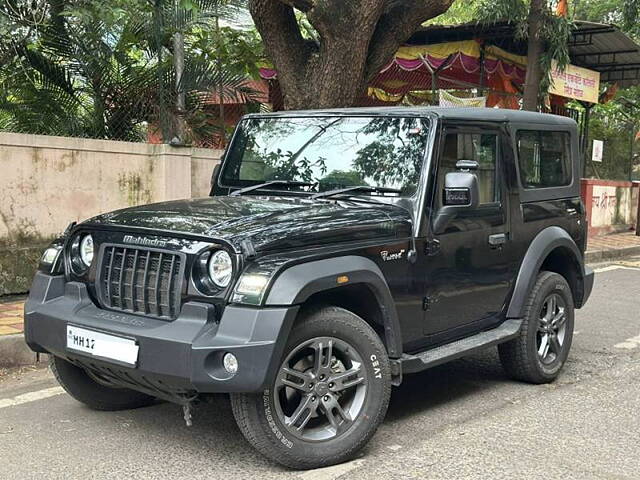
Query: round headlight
(221, 268)
(86, 250)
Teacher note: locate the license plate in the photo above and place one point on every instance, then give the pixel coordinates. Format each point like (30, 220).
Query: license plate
(101, 345)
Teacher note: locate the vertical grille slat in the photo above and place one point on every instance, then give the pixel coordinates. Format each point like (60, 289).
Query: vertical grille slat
(134, 269)
(157, 288)
(148, 281)
(111, 251)
(121, 281)
(145, 284)
(170, 290)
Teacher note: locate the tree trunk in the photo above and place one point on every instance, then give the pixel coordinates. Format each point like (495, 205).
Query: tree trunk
(357, 38)
(178, 65)
(332, 78)
(535, 49)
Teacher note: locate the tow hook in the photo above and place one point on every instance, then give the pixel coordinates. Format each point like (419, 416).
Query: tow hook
(186, 409)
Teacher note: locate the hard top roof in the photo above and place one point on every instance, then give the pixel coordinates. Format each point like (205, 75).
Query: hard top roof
(445, 113)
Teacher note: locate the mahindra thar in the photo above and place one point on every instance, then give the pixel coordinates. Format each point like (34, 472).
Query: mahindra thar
(338, 251)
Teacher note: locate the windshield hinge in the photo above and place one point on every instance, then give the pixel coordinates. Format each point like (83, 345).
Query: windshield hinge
(246, 245)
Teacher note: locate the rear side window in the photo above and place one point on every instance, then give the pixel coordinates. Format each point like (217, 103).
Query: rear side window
(544, 158)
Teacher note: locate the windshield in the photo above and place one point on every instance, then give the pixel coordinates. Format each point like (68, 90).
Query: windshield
(334, 152)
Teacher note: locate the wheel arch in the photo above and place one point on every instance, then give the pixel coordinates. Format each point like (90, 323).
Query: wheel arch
(364, 292)
(554, 250)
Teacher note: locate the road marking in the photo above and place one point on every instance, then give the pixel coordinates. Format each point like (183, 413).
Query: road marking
(331, 473)
(615, 267)
(31, 397)
(629, 343)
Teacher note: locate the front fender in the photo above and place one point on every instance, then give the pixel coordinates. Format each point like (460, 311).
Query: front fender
(297, 283)
(542, 245)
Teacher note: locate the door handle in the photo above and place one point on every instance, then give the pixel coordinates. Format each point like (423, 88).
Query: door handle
(497, 239)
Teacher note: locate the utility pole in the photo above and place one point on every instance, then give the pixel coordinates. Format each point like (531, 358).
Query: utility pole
(223, 133)
(178, 66)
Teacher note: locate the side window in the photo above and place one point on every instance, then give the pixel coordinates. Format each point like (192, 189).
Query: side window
(544, 158)
(481, 147)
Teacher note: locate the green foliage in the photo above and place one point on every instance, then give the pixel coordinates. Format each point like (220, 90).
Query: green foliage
(385, 159)
(280, 165)
(623, 13)
(240, 51)
(460, 12)
(616, 124)
(555, 31)
(105, 69)
(341, 179)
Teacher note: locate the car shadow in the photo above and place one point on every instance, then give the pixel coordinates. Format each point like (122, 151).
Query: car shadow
(455, 380)
(215, 436)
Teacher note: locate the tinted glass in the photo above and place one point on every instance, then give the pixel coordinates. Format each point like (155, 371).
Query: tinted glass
(544, 158)
(335, 152)
(483, 148)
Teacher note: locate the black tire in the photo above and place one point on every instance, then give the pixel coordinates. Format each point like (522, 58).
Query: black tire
(523, 357)
(94, 395)
(261, 419)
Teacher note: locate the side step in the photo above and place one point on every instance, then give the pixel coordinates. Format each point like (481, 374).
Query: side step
(430, 358)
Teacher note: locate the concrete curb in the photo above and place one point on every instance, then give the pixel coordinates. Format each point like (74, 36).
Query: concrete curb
(599, 256)
(14, 352)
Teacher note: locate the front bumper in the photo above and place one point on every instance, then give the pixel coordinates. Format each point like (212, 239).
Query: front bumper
(176, 359)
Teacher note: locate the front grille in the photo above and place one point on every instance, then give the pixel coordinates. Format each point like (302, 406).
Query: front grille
(141, 281)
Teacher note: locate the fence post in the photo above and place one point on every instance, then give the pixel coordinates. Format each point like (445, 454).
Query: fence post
(175, 165)
(638, 212)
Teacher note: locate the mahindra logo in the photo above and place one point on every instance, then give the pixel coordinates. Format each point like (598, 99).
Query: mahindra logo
(114, 317)
(386, 256)
(146, 241)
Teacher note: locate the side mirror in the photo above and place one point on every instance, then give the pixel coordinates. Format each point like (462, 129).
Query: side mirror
(214, 180)
(461, 192)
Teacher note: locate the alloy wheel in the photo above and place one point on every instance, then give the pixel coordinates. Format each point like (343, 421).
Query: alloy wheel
(320, 389)
(552, 328)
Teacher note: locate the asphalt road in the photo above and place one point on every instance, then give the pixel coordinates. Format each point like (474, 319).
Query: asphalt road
(461, 420)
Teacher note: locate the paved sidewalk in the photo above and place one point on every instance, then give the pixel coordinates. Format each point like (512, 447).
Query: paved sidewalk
(613, 246)
(11, 321)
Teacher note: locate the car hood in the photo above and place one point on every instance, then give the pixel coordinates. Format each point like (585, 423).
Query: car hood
(269, 222)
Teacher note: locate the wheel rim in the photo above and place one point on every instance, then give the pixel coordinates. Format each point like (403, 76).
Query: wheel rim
(552, 329)
(320, 389)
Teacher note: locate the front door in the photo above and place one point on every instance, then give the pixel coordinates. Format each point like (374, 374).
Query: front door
(469, 266)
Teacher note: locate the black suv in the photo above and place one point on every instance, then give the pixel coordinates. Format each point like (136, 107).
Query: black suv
(338, 251)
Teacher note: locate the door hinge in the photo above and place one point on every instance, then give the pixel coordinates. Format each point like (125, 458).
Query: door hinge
(426, 303)
(432, 247)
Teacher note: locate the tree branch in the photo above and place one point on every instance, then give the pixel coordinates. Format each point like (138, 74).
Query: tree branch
(284, 44)
(398, 22)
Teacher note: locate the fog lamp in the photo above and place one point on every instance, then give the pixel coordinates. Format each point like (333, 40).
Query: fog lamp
(230, 363)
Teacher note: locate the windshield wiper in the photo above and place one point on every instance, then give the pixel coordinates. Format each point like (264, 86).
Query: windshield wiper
(358, 188)
(288, 183)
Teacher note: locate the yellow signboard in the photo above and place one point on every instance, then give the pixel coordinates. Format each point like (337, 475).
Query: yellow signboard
(575, 82)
